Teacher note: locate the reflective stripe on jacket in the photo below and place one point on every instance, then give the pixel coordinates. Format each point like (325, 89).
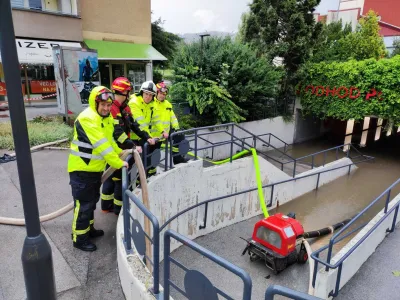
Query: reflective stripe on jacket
(167, 116)
(144, 115)
(93, 145)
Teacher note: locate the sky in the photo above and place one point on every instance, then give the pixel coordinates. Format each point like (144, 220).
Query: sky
(194, 16)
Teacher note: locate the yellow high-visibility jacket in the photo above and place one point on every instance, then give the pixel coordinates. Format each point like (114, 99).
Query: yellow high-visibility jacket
(144, 114)
(93, 145)
(167, 117)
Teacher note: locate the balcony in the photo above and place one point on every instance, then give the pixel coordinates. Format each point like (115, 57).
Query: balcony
(57, 7)
(47, 19)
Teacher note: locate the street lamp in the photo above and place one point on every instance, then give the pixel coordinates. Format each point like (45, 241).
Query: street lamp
(37, 261)
(202, 35)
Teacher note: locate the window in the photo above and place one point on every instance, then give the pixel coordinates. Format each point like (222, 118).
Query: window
(269, 236)
(137, 75)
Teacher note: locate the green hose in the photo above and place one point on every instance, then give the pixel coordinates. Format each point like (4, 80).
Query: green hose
(259, 183)
(258, 173)
(220, 162)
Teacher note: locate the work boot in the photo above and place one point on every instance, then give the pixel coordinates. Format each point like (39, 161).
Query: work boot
(85, 246)
(117, 210)
(95, 232)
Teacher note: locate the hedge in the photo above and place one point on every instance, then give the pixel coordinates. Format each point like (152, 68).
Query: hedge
(352, 89)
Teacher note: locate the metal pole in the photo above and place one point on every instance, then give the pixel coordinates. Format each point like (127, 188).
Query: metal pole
(37, 261)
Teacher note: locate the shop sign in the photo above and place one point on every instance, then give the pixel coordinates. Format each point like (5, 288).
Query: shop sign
(341, 92)
(3, 90)
(43, 86)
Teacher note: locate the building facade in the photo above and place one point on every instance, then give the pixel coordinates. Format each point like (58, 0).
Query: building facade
(350, 11)
(120, 31)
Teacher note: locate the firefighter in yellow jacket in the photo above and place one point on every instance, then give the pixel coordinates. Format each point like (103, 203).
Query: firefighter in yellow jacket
(169, 122)
(92, 148)
(142, 108)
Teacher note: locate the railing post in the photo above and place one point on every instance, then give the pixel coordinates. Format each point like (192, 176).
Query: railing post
(171, 153)
(145, 150)
(205, 217)
(294, 168)
(349, 170)
(312, 162)
(195, 144)
(125, 210)
(318, 181)
(387, 201)
(166, 154)
(167, 246)
(272, 195)
(328, 258)
(156, 258)
(394, 219)
(232, 132)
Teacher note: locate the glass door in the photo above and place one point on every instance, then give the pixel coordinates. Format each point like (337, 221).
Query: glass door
(117, 70)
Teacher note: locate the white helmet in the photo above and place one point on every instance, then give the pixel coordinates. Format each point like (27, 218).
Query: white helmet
(149, 87)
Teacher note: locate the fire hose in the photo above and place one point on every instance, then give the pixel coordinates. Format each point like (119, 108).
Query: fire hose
(67, 208)
(315, 234)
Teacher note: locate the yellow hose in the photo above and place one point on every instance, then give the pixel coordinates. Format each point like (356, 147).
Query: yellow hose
(259, 183)
(220, 162)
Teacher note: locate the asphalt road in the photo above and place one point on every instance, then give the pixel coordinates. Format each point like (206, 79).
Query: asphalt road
(78, 275)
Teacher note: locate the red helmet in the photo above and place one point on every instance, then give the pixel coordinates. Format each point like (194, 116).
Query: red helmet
(121, 85)
(162, 87)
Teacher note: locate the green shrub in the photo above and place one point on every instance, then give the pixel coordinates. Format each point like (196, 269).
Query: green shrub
(353, 89)
(41, 130)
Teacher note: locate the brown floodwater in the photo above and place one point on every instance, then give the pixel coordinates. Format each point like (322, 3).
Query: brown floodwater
(348, 195)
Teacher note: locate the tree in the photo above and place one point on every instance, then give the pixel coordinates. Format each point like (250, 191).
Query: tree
(328, 46)
(250, 81)
(163, 41)
(286, 29)
(396, 45)
(365, 42)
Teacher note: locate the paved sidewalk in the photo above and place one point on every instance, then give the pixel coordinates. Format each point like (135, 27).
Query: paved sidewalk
(375, 279)
(79, 275)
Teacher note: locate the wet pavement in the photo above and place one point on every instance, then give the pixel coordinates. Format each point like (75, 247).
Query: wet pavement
(331, 203)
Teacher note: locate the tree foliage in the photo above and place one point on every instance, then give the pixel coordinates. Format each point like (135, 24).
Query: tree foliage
(163, 41)
(328, 46)
(337, 44)
(396, 45)
(208, 96)
(250, 82)
(286, 29)
(353, 89)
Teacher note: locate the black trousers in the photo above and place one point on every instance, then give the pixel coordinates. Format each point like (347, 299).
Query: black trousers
(86, 193)
(111, 194)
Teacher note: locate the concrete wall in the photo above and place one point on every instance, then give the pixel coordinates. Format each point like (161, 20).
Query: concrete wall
(128, 20)
(276, 126)
(189, 184)
(41, 25)
(326, 281)
(307, 128)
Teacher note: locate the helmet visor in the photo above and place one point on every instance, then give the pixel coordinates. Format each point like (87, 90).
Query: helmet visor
(106, 96)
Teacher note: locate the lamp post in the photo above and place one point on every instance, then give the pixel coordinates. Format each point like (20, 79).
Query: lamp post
(36, 255)
(202, 35)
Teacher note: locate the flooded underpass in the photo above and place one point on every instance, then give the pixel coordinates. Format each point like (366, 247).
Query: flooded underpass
(332, 203)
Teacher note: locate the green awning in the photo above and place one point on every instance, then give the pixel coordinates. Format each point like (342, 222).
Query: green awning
(124, 51)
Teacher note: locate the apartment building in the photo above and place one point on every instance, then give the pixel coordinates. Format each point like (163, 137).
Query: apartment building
(120, 31)
(350, 11)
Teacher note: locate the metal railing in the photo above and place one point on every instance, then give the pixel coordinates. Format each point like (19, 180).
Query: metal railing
(271, 185)
(273, 290)
(337, 237)
(195, 278)
(312, 164)
(139, 235)
(232, 140)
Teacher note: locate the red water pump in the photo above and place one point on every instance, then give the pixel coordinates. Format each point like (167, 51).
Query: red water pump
(275, 240)
(279, 241)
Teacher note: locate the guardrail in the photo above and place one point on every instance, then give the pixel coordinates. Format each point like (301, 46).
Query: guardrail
(138, 235)
(273, 290)
(197, 285)
(325, 152)
(335, 238)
